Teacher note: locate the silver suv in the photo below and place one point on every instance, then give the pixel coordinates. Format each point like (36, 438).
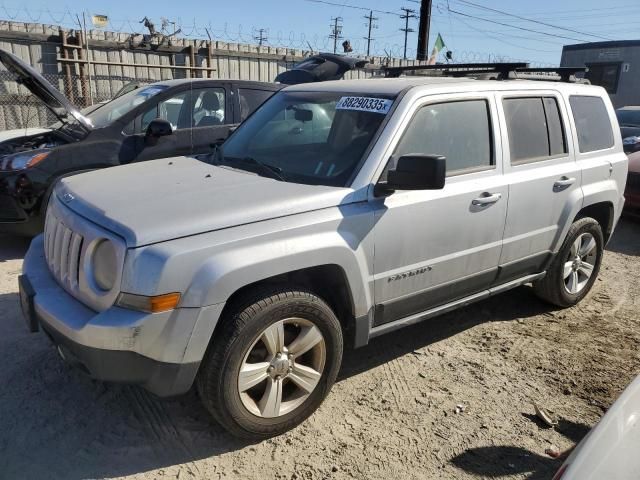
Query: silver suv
(336, 213)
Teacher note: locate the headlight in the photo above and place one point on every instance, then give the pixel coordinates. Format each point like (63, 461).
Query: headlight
(22, 160)
(104, 265)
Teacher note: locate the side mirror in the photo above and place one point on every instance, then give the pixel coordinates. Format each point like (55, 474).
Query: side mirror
(158, 128)
(418, 172)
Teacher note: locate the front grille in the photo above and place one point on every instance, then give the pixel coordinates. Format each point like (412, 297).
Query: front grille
(633, 182)
(62, 250)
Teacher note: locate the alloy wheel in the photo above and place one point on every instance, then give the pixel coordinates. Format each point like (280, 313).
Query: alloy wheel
(282, 368)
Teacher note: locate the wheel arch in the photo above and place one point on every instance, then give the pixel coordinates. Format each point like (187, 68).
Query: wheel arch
(603, 213)
(328, 281)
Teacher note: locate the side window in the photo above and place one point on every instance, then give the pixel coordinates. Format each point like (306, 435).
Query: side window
(460, 130)
(174, 109)
(250, 100)
(535, 128)
(209, 107)
(592, 123)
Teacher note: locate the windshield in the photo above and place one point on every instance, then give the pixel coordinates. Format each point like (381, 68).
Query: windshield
(628, 117)
(116, 108)
(316, 138)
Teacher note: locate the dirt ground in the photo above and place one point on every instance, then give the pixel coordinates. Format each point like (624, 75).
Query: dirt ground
(392, 413)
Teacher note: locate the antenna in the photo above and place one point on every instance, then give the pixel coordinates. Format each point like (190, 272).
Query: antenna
(408, 13)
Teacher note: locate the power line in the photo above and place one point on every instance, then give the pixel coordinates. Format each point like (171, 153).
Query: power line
(466, 2)
(514, 26)
(355, 7)
(408, 13)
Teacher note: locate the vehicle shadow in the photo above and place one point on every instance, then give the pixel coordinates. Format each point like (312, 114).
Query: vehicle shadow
(80, 428)
(518, 303)
(505, 460)
(13, 248)
(55, 422)
(626, 237)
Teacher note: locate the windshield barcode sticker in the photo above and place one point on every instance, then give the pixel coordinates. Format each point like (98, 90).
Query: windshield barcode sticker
(365, 104)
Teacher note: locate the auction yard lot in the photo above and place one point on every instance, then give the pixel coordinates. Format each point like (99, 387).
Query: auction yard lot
(392, 413)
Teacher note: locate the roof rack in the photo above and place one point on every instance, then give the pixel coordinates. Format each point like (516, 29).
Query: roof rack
(458, 69)
(513, 70)
(565, 73)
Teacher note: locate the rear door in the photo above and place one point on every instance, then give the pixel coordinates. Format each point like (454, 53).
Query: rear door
(543, 176)
(436, 246)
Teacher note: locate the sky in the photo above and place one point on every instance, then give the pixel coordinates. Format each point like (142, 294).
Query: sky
(469, 31)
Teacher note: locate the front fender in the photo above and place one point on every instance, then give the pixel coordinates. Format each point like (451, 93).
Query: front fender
(208, 268)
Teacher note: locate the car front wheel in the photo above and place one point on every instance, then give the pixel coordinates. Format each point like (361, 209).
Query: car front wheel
(272, 364)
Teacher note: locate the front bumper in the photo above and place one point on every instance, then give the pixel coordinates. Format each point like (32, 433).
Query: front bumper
(161, 352)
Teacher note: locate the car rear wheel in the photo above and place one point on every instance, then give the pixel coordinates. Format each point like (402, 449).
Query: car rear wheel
(272, 364)
(576, 266)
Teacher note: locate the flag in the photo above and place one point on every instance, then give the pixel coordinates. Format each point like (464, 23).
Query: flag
(436, 50)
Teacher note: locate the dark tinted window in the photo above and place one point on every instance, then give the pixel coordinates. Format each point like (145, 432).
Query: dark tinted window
(535, 128)
(250, 100)
(557, 145)
(604, 74)
(460, 131)
(592, 123)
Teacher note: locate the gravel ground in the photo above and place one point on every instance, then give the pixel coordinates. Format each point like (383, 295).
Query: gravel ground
(392, 413)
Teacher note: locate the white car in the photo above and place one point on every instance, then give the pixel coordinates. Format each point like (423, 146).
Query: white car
(610, 449)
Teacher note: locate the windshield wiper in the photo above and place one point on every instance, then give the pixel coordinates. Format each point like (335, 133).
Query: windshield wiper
(266, 168)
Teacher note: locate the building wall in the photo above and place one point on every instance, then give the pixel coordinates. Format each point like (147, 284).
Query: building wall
(626, 53)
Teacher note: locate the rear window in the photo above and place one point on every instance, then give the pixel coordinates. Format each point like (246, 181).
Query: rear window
(592, 123)
(535, 128)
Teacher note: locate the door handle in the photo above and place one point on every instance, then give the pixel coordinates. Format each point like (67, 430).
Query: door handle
(486, 199)
(564, 182)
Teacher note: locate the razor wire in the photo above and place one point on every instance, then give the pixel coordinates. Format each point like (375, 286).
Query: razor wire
(241, 35)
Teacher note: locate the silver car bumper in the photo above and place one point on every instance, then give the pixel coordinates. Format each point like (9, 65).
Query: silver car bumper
(158, 351)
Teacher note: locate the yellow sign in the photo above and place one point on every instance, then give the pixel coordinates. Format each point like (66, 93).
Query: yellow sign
(100, 21)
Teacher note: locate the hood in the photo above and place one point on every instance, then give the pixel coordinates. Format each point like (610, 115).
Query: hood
(159, 200)
(41, 88)
(320, 68)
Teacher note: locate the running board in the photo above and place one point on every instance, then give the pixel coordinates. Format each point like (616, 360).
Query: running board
(463, 302)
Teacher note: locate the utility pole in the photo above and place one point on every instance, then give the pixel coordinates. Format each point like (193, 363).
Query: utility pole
(368, 38)
(423, 30)
(336, 32)
(408, 13)
(261, 36)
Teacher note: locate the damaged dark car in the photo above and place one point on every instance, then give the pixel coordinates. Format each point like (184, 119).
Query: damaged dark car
(163, 119)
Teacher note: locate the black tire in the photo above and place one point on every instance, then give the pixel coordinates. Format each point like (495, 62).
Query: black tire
(242, 326)
(552, 287)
